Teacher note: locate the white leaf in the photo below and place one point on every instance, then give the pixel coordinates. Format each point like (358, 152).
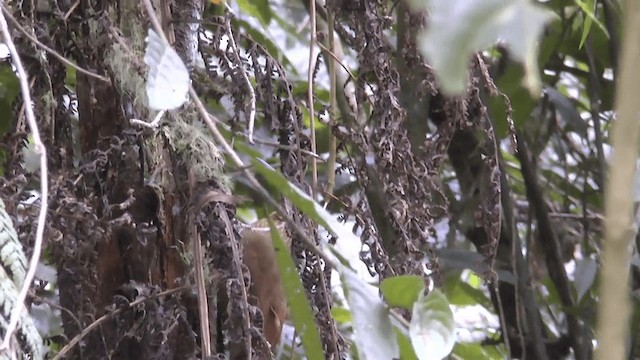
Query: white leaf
(168, 78)
(586, 271)
(458, 28)
(374, 335)
(432, 328)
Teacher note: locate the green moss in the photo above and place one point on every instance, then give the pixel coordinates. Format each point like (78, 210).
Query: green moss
(187, 135)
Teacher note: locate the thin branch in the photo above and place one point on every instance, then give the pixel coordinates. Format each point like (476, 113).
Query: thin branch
(44, 190)
(71, 10)
(312, 121)
(203, 307)
(331, 164)
(337, 59)
(594, 91)
(283, 147)
(51, 51)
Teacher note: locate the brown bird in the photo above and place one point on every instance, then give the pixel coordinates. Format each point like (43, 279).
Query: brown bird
(266, 284)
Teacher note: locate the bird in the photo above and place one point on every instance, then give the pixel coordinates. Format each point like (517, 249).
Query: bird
(266, 285)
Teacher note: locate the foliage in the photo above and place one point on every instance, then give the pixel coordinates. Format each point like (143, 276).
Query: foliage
(461, 153)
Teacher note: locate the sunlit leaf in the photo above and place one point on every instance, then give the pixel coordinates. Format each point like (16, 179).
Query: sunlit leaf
(168, 78)
(432, 328)
(586, 271)
(449, 42)
(374, 334)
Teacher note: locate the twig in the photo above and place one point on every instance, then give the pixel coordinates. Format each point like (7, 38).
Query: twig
(337, 59)
(51, 51)
(73, 342)
(333, 146)
(549, 242)
(44, 191)
(313, 41)
(71, 10)
(203, 308)
(286, 147)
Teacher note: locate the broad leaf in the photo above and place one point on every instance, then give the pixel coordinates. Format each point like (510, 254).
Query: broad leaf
(432, 328)
(374, 335)
(461, 293)
(402, 291)
(458, 28)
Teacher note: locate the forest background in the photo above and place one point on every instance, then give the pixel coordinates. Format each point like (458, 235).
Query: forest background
(443, 171)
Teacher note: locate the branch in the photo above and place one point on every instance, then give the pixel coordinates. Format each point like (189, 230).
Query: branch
(44, 190)
(613, 310)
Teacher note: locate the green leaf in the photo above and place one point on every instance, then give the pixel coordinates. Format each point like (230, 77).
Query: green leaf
(461, 293)
(402, 291)
(374, 333)
(70, 79)
(432, 329)
(341, 315)
(465, 351)
(458, 28)
(301, 200)
(300, 310)
(258, 9)
(589, 8)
